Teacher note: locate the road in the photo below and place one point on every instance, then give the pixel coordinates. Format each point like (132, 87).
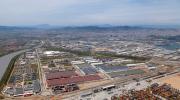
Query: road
(44, 90)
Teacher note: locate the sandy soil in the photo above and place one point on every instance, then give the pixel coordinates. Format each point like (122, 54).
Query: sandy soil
(27, 98)
(174, 81)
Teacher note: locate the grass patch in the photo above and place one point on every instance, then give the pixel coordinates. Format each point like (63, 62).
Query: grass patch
(113, 55)
(79, 53)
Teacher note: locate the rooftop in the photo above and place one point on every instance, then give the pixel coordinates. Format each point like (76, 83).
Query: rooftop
(60, 74)
(77, 79)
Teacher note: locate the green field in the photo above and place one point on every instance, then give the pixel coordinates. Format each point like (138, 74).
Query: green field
(101, 55)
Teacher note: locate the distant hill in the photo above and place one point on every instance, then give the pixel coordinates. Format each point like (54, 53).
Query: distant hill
(87, 32)
(14, 28)
(93, 27)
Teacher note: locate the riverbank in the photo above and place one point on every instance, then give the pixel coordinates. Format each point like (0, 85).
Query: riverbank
(8, 72)
(5, 60)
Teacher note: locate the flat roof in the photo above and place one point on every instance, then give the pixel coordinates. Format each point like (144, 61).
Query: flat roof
(109, 68)
(60, 74)
(89, 70)
(76, 79)
(84, 65)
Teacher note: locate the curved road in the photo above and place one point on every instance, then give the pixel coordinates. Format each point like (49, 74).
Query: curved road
(5, 60)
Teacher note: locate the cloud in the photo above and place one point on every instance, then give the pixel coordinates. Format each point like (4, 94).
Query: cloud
(83, 12)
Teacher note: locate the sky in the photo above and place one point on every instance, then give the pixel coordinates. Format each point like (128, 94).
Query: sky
(90, 12)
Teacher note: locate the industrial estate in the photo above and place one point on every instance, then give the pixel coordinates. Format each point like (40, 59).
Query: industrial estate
(81, 67)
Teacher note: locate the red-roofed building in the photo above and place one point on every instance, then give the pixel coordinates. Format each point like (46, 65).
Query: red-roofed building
(61, 74)
(76, 79)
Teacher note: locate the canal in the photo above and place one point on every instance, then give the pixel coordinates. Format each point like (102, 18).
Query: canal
(5, 60)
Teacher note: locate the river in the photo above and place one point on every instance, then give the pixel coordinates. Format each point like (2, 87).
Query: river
(5, 60)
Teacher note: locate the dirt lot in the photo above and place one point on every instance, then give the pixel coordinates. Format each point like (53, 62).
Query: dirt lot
(25, 98)
(174, 81)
